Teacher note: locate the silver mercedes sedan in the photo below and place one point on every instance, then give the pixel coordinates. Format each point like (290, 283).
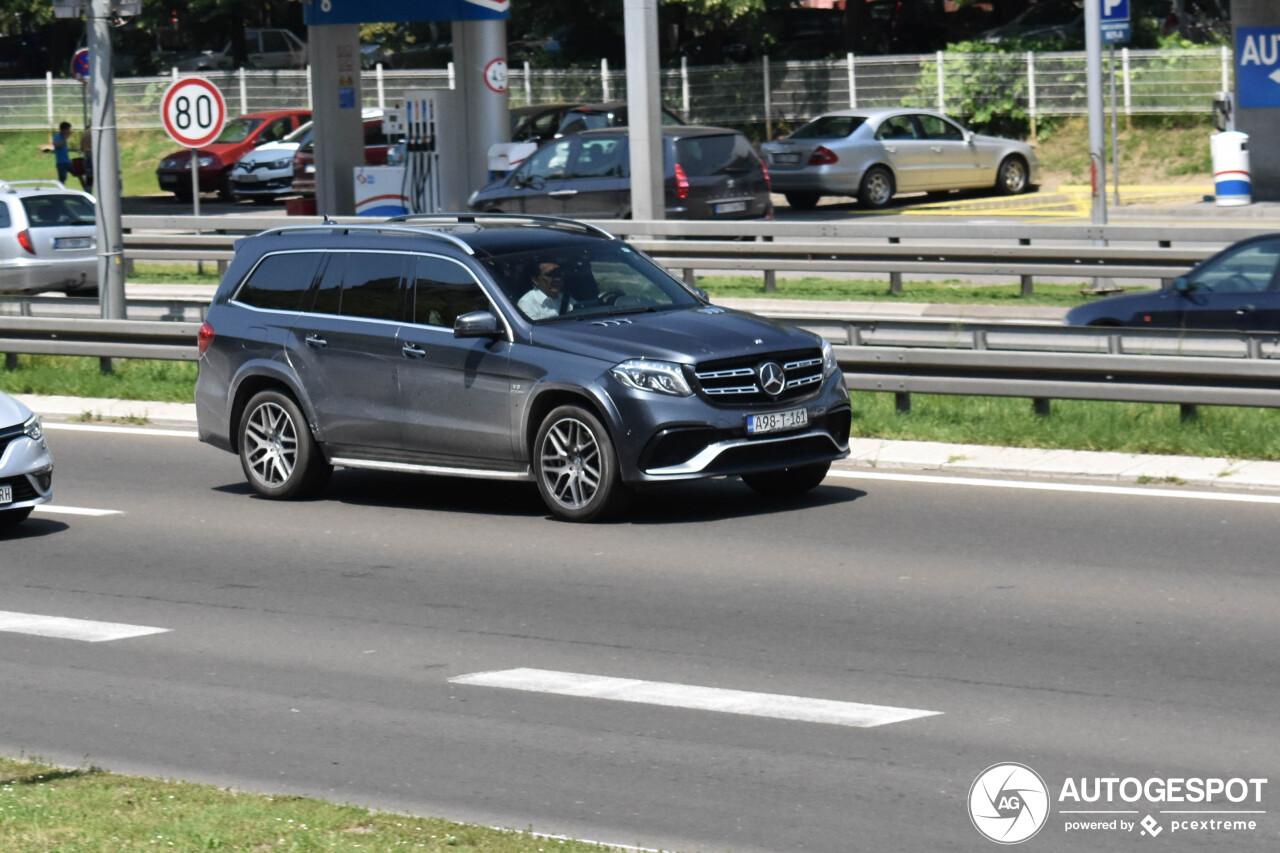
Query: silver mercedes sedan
(873, 154)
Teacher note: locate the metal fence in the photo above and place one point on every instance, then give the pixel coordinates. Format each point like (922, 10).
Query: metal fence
(1148, 82)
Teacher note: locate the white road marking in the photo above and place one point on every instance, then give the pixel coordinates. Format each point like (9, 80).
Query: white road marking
(1130, 491)
(63, 628)
(121, 430)
(57, 509)
(693, 697)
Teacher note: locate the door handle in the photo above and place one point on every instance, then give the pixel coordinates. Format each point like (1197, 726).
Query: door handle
(413, 351)
(936, 149)
(1245, 309)
(314, 340)
(562, 193)
(891, 150)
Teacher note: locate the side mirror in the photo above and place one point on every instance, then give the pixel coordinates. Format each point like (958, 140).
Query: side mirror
(968, 137)
(1182, 284)
(702, 294)
(477, 324)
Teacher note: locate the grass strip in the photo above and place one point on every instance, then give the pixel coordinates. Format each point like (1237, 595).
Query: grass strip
(129, 379)
(949, 291)
(45, 808)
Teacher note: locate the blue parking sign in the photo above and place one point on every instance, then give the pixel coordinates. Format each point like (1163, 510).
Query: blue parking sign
(1115, 10)
(1258, 66)
(1115, 21)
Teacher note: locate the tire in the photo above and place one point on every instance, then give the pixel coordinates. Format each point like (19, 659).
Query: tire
(576, 466)
(1011, 177)
(876, 188)
(277, 451)
(225, 192)
(10, 517)
(788, 482)
(802, 201)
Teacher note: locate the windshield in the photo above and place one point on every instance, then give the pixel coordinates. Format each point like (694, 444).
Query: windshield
(586, 281)
(238, 129)
(296, 136)
(48, 211)
(828, 127)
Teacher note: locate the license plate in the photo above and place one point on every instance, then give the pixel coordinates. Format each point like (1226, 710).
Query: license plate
(731, 207)
(72, 242)
(246, 179)
(786, 159)
(168, 179)
(6, 495)
(777, 421)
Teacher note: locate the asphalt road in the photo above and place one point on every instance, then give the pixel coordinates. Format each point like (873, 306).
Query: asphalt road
(310, 648)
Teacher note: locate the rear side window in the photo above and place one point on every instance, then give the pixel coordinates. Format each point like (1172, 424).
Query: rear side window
(598, 158)
(6, 221)
(442, 290)
(362, 284)
(829, 127)
(280, 281)
(714, 155)
(51, 211)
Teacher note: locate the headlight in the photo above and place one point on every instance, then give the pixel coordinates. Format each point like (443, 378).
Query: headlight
(32, 429)
(829, 363)
(660, 377)
(283, 163)
(171, 163)
(205, 161)
(471, 199)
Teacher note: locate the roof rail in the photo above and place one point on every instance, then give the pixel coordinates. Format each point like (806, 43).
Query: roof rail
(10, 186)
(396, 230)
(475, 219)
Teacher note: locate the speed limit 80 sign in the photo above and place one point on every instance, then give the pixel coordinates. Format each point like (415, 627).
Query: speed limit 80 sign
(193, 112)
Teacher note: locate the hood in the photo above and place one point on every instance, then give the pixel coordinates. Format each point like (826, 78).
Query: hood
(268, 152)
(1116, 308)
(685, 336)
(12, 412)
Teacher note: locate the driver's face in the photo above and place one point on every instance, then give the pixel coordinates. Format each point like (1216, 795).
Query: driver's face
(549, 279)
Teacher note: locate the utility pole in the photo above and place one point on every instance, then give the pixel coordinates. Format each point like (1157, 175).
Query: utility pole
(1097, 130)
(106, 164)
(640, 18)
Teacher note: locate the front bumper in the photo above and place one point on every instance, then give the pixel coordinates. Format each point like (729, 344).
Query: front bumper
(33, 275)
(27, 467)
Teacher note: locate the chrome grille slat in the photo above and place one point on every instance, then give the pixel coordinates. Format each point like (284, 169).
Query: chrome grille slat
(721, 381)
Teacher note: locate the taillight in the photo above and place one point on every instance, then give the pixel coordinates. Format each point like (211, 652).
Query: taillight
(822, 156)
(24, 240)
(204, 337)
(765, 169)
(682, 182)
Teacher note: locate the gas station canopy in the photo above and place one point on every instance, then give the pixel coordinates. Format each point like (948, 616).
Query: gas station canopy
(320, 12)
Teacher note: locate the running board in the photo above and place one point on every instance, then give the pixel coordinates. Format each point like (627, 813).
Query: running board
(439, 470)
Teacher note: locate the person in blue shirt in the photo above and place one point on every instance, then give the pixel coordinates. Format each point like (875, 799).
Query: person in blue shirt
(62, 151)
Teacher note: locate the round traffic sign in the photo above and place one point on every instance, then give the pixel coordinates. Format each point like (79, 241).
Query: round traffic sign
(193, 112)
(80, 63)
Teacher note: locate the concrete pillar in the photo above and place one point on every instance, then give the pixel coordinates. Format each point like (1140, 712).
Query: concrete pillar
(480, 58)
(336, 98)
(1261, 123)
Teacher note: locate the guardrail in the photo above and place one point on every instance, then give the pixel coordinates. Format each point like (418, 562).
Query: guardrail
(1024, 251)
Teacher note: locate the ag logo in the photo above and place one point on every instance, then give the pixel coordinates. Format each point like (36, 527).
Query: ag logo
(1008, 803)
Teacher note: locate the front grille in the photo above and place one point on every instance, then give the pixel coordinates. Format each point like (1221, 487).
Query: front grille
(22, 489)
(7, 435)
(730, 382)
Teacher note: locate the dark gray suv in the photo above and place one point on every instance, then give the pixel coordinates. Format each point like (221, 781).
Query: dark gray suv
(507, 347)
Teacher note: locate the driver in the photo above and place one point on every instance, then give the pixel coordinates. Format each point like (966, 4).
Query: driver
(547, 292)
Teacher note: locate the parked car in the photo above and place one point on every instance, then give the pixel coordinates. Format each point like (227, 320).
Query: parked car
(874, 154)
(26, 465)
(377, 145)
(266, 172)
(240, 136)
(550, 121)
(266, 48)
(47, 238)
(1238, 288)
(401, 346)
(710, 173)
(1055, 21)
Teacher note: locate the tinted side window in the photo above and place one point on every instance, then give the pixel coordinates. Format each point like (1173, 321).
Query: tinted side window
(598, 158)
(328, 296)
(442, 290)
(371, 286)
(713, 155)
(549, 162)
(829, 127)
(936, 128)
(280, 281)
(1251, 269)
(49, 211)
(5, 220)
(897, 127)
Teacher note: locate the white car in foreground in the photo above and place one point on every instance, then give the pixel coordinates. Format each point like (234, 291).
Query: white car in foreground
(26, 466)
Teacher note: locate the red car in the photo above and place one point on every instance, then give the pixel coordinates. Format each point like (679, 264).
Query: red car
(240, 135)
(376, 145)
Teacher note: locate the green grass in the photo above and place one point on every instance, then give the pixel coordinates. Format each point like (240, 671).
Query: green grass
(45, 809)
(950, 292)
(140, 154)
(178, 272)
(1232, 432)
(130, 379)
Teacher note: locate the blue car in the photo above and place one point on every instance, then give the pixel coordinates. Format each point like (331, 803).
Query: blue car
(1238, 288)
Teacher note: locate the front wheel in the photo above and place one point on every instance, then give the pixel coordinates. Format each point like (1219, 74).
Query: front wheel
(876, 188)
(576, 466)
(1012, 177)
(788, 482)
(10, 517)
(277, 451)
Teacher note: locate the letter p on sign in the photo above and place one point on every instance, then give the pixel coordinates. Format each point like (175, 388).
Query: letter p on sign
(1115, 10)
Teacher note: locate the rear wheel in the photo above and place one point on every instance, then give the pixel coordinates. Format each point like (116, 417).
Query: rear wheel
(876, 188)
(277, 451)
(10, 517)
(1011, 179)
(576, 466)
(802, 201)
(224, 189)
(788, 482)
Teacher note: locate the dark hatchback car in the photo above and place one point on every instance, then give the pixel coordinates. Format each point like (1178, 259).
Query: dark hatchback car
(1238, 288)
(543, 122)
(508, 348)
(710, 173)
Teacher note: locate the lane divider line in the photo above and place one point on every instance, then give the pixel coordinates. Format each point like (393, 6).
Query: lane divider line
(693, 697)
(1086, 488)
(120, 430)
(56, 509)
(64, 628)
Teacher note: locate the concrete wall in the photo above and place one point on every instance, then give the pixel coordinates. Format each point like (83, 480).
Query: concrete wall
(1262, 124)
